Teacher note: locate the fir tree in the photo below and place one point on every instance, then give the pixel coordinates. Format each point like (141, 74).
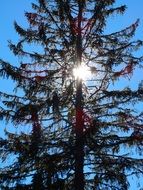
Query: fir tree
(82, 131)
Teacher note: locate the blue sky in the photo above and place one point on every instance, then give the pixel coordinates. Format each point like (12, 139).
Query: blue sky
(11, 10)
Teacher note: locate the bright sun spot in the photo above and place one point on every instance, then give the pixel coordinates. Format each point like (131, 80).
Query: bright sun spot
(83, 72)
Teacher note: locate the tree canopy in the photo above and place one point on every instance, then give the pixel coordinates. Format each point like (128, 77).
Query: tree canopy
(82, 130)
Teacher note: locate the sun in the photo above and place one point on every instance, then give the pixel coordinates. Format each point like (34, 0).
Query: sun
(82, 72)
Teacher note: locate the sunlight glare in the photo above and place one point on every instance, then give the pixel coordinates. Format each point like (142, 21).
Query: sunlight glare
(83, 72)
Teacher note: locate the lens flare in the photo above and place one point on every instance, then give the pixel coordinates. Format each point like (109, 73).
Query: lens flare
(82, 72)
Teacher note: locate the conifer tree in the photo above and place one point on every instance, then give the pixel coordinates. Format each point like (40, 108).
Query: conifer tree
(82, 130)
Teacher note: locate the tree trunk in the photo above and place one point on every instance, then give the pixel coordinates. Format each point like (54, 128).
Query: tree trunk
(79, 142)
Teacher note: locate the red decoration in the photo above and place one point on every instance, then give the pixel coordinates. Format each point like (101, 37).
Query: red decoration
(87, 24)
(127, 70)
(31, 17)
(39, 78)
(118, 74)
(87, 119)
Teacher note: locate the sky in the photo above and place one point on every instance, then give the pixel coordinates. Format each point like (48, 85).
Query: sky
(11, 10)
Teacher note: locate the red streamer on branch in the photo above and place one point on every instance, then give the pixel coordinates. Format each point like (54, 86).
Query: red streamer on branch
(126, 71)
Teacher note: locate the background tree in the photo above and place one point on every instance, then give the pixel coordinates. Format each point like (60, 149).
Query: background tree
(82, 131)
